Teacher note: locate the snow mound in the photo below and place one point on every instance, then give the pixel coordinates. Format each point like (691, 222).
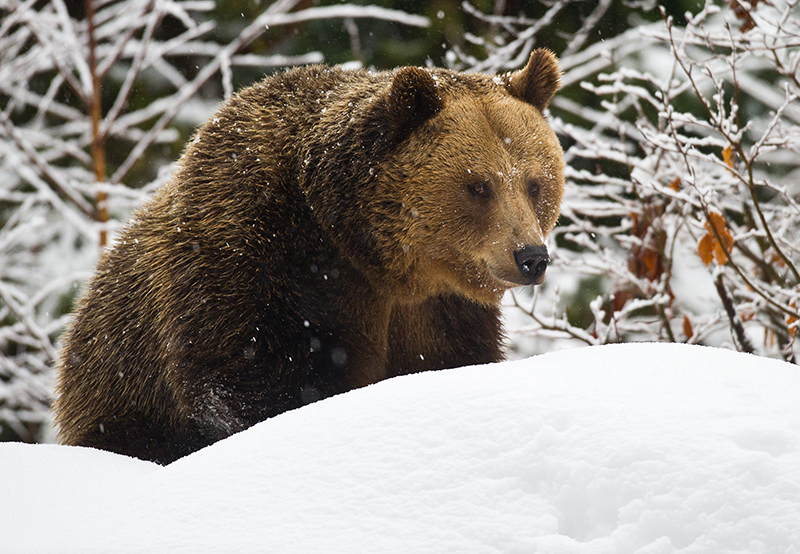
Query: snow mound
(636, 448)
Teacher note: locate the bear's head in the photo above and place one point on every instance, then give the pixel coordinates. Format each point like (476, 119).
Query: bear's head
(481, 175)
(459, 185)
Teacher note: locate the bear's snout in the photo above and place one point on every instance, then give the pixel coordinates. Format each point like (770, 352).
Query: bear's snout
(532, 262)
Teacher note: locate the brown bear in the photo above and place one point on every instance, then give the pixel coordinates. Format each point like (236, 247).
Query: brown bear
(325, 230)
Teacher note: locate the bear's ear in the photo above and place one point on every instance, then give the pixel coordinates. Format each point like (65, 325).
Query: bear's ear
(413, 98)
(538, 81)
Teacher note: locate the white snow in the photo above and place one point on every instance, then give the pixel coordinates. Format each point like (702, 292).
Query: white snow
(636, 448)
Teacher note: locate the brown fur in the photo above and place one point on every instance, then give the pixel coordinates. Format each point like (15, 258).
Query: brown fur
(325, 230)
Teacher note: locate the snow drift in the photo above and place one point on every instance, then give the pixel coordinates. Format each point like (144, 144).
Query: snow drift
(629, 448)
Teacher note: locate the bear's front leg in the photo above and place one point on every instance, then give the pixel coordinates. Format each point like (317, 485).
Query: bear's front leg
(443, 332)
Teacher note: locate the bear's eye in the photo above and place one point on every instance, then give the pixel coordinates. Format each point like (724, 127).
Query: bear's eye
(479, 189)
(533, 189)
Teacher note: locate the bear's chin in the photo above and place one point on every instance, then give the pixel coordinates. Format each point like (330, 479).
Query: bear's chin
(487, 288)
(484, 283)
(511, 278)
(522, 281)
(490, 287)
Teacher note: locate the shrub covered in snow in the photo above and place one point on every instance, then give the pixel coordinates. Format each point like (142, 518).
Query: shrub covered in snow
(681, 220)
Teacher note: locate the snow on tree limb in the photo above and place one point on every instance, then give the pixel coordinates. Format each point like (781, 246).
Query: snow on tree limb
(698, 120)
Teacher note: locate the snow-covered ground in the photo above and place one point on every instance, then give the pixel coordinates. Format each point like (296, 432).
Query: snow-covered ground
(621, 449)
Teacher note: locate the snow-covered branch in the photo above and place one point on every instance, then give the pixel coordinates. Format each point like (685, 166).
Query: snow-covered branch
(680, 220)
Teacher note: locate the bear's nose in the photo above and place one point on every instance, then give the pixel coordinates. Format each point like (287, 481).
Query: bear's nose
(532, 262)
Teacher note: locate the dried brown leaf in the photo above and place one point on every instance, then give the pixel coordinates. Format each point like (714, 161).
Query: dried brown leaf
(709, 247)
(727, 156)
(705, 249)
(688, 330)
